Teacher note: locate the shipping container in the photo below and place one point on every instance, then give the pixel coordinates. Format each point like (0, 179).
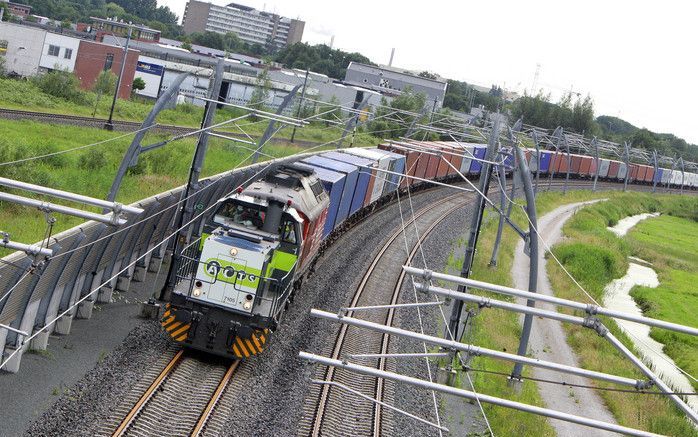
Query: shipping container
(613, 169)
(468, 151)
(666, 176)
(622, 171)
(334, 185)
(397, 167)
(351, 174)
(649, 174)
(576, 165)
(633, 172)
(585, 167)
(658, 176)
(604, 166)
(479, 152)
(410, 160)
(383, 163)
(366, 174)
(563, 163)
(592, 168)
(454, 153)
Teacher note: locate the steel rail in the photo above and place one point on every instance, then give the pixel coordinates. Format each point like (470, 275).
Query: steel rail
(126, 422)
(208, 411)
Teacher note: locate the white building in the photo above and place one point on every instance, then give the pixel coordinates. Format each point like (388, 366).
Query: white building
(59, 52)
(21, 46)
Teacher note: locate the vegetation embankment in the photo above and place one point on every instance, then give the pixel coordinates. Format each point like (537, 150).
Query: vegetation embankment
(90, 171)
(500, 330)
(594, 256)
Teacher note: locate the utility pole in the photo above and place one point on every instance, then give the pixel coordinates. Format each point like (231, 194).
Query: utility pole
(298, 113)
(185, 212)
(109, 125)
(475, 224)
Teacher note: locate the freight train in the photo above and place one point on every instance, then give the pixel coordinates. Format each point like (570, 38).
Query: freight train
(235, 282)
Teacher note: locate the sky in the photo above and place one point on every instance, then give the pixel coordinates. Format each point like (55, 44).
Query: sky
(636, 59)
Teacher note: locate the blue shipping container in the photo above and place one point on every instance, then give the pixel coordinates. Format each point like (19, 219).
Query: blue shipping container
(334, 185)
(351, 174)
(362, 181)
(658, 175)
(479, 152)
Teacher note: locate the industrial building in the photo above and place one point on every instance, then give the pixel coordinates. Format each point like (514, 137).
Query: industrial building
(251, 25)
(102, 26)
(391, 81)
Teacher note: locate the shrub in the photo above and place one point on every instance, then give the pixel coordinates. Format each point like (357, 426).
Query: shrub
(61, 84)
(92, 159)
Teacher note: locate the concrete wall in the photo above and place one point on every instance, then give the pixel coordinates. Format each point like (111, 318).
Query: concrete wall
(91, 61)
(67, 45)
(24, 47)
(195, 16)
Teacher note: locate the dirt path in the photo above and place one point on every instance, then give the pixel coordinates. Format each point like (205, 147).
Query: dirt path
(548, 339)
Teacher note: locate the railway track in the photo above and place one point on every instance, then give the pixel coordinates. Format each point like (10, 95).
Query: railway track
(179, 400)
(326, 414)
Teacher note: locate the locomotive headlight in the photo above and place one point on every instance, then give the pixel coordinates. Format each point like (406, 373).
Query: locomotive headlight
(233, 251)
(247, 305)
(197, 292)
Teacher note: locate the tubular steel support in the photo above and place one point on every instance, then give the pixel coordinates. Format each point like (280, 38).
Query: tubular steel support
(371, 371)
(110, 219)
(626, 157)
(683, 175)
(656, 171)
(134, 150)
(475, 223)
(595, 143)
(537, 144)
(502, 206)
(533, 255)
(193, 184)
(351, 124)
(30, 249)
(569, 163)
(472, 350)
(270, 127)
(591, 310)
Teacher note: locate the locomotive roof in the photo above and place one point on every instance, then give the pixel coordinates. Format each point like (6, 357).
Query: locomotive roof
(294, 183)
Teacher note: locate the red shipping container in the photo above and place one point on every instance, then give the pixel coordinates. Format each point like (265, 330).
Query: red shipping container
(562, 165)
(649, 175)
(454, 154)
(633, 172)
(592, 167)
(613, 169)
(585, 167)
(641, 171)
(576, 163)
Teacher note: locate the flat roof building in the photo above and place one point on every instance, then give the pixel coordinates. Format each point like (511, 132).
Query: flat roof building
(107, 26)
(392, 81)
(251, 25)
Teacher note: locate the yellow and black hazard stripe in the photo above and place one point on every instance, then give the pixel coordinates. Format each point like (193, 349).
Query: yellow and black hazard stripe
(246, 347)
(175, 329)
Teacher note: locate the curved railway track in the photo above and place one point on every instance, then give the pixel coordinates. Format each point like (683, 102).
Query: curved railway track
(179, 400)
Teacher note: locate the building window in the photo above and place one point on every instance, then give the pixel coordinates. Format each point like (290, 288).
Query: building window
(53, 50)
(108, 61)
(68, 53)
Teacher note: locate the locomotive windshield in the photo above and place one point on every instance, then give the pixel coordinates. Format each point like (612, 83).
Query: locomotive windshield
(247, 216)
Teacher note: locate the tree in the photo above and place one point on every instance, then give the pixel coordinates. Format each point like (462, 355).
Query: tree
(261, 93)
(186, 45)
(62, 84)
(105, 84)
(388, 127)
(427, 75)
(319, 58)
(138, 84)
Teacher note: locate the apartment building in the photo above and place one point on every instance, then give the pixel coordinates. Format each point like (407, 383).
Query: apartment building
(251, 25)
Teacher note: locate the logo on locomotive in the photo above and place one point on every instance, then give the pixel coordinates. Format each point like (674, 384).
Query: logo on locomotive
(226, 271)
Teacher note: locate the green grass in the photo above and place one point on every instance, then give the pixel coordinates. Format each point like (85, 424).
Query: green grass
(594, 256)
(90, 171)
(670, 244)
(25, 95)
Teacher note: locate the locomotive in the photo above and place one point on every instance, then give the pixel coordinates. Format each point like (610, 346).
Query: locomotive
(241, 275)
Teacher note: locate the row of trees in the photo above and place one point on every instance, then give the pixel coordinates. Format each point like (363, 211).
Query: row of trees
(319, 58)
(138, 11)
(460, 96)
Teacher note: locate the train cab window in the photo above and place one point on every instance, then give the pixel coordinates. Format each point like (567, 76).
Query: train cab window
(247, 216)
(287, 231)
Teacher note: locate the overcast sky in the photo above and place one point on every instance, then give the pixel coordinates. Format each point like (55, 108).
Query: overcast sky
(637, 59)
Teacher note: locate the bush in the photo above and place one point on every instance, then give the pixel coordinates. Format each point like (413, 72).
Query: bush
(61, 84)
(92, 159)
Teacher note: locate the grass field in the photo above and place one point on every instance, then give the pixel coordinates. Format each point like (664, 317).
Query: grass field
(594, 256)
(90, 171)
(25, 95)
(594, 261)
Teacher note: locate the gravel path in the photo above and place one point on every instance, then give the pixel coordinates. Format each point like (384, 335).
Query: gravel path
(549, 341)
